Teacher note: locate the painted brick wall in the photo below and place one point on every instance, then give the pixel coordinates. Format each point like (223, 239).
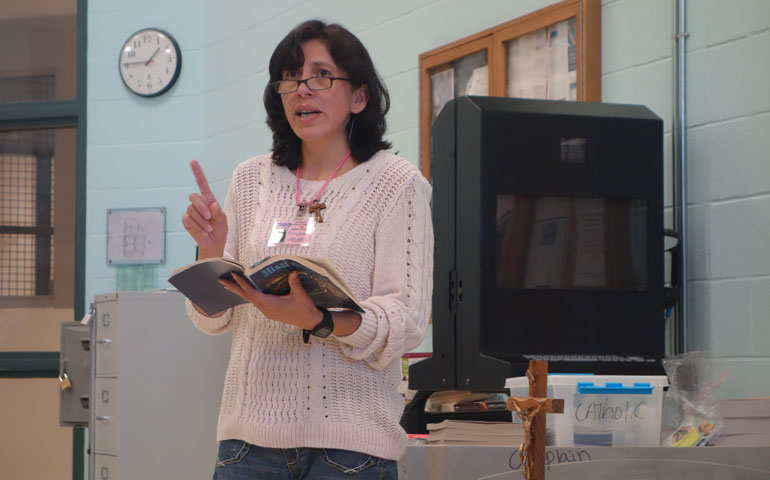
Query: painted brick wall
(138, 148)
(729, 186)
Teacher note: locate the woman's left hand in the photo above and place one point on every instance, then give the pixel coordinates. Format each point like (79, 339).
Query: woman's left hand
(294, 308)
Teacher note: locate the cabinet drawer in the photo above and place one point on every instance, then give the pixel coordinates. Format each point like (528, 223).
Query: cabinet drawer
(106, 347)
(105, 415)
(105, 467)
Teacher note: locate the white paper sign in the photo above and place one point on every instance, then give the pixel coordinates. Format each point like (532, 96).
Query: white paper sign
(136, 235)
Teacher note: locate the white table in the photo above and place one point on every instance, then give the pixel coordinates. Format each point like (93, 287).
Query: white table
(422, 462)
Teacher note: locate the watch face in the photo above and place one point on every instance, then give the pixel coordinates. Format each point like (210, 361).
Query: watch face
(324, 331)
(326, 327)
(150, 62)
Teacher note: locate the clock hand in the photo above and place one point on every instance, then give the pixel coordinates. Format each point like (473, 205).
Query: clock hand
(152, 56)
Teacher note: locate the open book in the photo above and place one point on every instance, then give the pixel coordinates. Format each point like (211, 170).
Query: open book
(199, 281)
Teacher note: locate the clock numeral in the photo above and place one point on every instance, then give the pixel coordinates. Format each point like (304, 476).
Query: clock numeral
(137, 43)
(131, 54)
(125, 65)
(149, 85)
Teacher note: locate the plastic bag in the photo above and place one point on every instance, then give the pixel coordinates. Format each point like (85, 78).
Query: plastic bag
(690, 409)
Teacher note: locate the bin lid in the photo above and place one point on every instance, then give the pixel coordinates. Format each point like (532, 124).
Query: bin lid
(572, 379)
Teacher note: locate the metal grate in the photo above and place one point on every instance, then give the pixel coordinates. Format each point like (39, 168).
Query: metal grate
(17, 265)
(26, 214)
(27, 89)
(17, 190)
(26, 196)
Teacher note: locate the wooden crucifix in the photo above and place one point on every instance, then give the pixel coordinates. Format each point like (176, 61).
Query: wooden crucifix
(532, 411)
(315, 208)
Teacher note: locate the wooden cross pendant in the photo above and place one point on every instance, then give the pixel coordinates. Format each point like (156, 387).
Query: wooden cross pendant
(315, 208)
(532, 411)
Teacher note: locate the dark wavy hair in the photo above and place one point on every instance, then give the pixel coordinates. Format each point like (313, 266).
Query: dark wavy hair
(349, 54)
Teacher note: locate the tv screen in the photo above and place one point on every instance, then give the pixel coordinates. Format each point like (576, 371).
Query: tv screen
(571, 243)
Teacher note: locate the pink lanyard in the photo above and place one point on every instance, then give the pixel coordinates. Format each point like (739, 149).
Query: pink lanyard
(318, 195)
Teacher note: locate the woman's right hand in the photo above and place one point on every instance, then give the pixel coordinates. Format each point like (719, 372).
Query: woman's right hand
(204, 219)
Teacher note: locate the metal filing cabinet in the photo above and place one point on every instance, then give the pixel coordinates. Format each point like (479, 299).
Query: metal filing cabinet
(75, 374)
(157, 384)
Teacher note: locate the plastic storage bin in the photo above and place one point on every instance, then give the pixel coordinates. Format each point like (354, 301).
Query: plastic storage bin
(611, 410)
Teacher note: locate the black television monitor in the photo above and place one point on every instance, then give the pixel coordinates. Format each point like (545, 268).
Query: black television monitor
(548, 219)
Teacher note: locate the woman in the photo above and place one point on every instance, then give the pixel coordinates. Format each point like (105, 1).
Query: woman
(311, 393)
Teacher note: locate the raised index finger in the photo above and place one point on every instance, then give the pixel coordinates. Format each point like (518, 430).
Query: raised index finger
(200, 178)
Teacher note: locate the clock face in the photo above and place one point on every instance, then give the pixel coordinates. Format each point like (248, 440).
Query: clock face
(150, 62)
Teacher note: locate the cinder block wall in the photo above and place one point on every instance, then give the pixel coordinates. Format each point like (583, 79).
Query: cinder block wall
(729, 181)
(139, 148)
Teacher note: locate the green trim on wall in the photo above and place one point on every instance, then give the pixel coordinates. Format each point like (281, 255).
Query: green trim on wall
(80, 163)
(79, 438)
(29, 364)
(58, 113)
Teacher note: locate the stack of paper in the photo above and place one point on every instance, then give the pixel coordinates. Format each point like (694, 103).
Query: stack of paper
(456, 401)
(462, 432)
(746, 422)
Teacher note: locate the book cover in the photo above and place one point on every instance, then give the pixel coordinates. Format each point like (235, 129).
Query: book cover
(199, 281)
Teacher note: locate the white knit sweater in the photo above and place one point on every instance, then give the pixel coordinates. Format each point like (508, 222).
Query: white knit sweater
(338, 392)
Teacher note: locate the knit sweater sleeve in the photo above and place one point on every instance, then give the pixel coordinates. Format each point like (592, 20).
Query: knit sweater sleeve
(221, 324)
(397, 314)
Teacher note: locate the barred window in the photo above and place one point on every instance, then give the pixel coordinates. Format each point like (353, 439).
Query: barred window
(26, 213)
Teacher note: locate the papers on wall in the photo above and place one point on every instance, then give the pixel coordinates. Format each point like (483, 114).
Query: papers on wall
(543, 64)
(562, 66)
(528, 65)
(136, 235)
(442, 87)
(478, 84)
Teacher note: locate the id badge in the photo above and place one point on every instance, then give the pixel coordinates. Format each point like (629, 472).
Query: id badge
(298, 231)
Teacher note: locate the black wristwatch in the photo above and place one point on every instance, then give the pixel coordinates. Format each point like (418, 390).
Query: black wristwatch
(323, 329)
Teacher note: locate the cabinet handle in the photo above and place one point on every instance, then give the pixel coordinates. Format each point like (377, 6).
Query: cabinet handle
(103, 419)
(104, 340)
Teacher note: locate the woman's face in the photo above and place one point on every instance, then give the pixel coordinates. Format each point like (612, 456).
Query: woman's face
(319, 116)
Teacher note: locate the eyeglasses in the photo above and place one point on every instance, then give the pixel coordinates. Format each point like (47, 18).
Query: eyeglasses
(313, 83)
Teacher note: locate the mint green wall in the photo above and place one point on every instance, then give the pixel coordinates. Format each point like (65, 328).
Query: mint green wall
(729, 182)
(138, 149)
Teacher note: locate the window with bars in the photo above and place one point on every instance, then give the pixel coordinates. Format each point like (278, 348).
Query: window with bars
(26, 198)
(32, 88)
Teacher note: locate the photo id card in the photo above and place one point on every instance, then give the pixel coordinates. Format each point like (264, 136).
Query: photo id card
(298, 231)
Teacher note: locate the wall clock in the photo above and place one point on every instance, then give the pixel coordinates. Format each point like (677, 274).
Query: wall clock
(150, 62)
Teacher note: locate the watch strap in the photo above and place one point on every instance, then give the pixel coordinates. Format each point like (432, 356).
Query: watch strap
(323, 329)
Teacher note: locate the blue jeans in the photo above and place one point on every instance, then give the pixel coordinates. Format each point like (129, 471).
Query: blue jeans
(238, 460)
